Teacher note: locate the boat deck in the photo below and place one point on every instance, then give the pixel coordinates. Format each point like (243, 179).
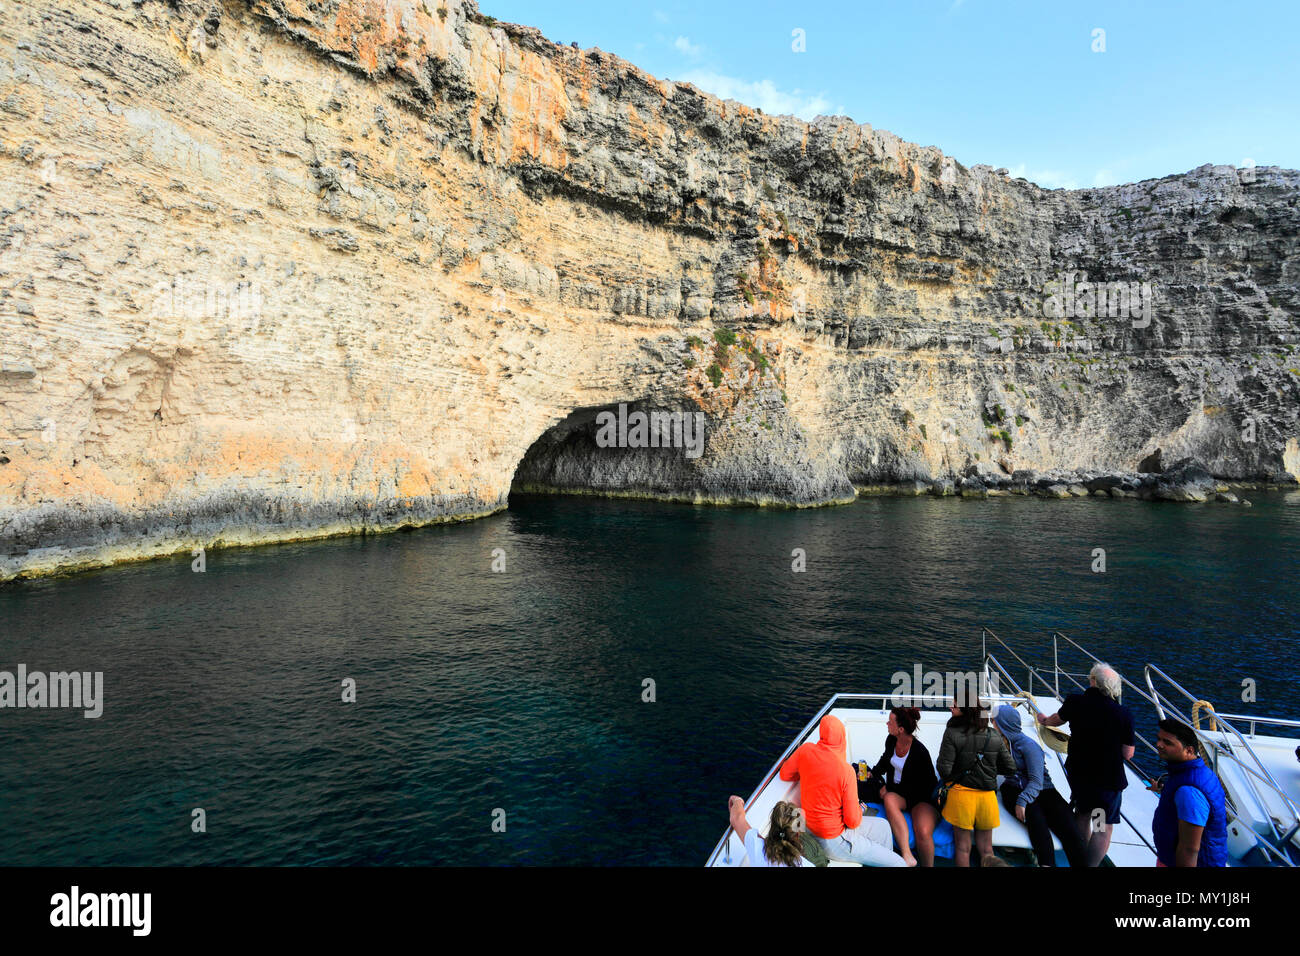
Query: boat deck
(1257, 804)
(866, 731)
(1260, 773)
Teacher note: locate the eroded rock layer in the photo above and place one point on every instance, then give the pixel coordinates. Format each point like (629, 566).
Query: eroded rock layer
(277, 269)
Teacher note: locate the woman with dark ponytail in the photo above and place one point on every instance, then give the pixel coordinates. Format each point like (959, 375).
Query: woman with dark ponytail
(784, 843)
(904, 776)
(971, 756)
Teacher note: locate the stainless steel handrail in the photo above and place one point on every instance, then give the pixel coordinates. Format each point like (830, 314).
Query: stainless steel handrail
(1282, 835)
(1154, 698)
(1057, 672)
(1254, 719)
(1097, 660)
(1123, 680)
(985, 633)
(1134, 767)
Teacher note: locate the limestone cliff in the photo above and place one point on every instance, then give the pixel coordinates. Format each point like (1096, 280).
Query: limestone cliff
(278, 269)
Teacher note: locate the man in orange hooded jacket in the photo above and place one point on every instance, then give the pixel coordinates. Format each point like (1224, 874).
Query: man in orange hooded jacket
(828, 793)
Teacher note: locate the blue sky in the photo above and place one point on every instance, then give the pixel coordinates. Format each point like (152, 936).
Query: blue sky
(1014, 84)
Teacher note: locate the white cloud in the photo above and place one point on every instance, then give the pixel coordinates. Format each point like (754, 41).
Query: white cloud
(661, 16)
(762, 94)
(686, 47)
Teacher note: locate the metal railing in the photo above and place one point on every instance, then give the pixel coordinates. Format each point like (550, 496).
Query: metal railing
(1030, 703)
(1052, 685)
(1124, 681)
(1254, 776)
(1253, 720)
(1032, 671)
(1157, 701)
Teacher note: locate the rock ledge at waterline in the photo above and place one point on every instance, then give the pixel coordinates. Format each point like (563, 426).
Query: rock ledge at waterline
(272, 270)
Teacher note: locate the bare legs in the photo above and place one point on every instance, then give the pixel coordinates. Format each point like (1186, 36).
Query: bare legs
(924, 819)
(961, 841)
(894, 808)
(736, 812)
(1097, 842)
(961, 846)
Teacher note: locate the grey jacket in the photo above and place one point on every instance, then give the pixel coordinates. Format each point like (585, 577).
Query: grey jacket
(974, 758)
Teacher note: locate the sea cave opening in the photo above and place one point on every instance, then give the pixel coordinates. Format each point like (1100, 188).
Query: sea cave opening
(628, 449)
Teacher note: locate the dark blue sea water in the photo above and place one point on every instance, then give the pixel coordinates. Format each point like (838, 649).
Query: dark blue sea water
(521, 691)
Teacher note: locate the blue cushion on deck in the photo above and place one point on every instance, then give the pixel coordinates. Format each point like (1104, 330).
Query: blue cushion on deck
(942, 832)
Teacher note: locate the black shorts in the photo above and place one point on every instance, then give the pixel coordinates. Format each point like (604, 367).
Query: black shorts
(1086, 799)
(891, 787)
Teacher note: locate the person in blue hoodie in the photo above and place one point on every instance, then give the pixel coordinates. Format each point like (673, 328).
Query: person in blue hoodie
(1031, 796)
(1190, 826)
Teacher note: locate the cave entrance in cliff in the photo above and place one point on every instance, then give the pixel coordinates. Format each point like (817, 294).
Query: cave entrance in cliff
(626, 448)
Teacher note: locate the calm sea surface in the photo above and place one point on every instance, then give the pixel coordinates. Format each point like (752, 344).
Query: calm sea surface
(521, 691)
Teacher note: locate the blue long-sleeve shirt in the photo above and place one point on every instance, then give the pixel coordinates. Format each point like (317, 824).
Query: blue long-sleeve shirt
(1032, 776)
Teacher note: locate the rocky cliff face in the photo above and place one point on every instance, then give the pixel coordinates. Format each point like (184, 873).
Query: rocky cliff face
(276, 269)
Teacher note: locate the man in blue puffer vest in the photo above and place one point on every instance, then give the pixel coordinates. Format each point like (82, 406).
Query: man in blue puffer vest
(1190, 825)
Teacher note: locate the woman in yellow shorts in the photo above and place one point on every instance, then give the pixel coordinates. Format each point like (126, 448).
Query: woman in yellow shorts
(970, 758)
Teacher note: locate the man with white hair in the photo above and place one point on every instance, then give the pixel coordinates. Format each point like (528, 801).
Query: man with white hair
(1101, 739)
